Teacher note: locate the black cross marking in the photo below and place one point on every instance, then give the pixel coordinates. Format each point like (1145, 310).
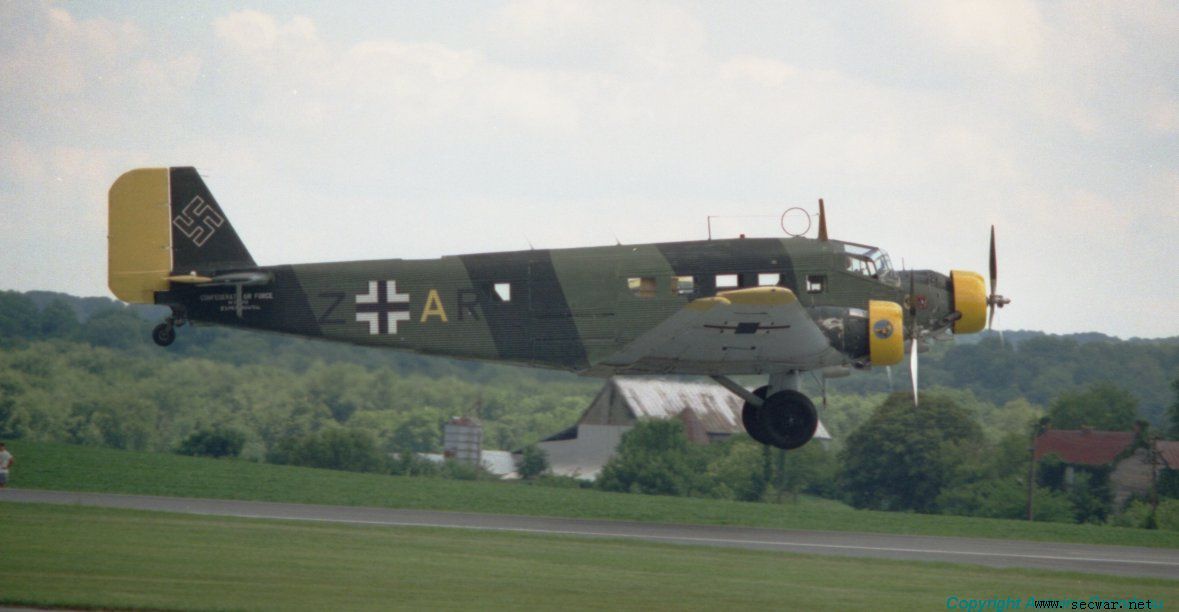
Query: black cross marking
(383, 307)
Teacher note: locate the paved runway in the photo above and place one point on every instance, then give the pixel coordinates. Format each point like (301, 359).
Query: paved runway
(1118, 560)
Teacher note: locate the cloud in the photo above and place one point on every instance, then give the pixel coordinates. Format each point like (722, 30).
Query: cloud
(572, 122)
(1007, 35)
(599, 36)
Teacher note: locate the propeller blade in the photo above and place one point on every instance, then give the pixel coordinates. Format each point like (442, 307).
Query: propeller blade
(913, 369)
(889, 370)
(994, 264)
(991, 300)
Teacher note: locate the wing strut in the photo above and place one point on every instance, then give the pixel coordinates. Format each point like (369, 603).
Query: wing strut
(740, 391)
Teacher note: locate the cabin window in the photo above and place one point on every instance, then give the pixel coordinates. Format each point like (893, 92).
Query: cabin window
(641, 286)
(727, 281)
(683, 285)
(768, 279)
(502, 292)
(860, 265)
(816, 283)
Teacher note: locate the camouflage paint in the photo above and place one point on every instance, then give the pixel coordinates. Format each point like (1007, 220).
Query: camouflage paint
(568, 309)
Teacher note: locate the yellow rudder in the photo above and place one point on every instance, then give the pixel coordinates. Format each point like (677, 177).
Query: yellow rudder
(139, 236)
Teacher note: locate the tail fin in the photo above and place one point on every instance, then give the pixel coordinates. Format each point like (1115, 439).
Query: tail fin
(165, 223)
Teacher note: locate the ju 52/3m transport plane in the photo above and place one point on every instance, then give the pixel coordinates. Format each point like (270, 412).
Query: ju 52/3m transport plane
(768, 306)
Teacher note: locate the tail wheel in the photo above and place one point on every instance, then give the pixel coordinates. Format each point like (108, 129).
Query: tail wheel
(163, 334)
(751, 419)
(788, 419)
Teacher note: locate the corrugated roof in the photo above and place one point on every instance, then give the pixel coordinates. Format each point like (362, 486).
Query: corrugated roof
(1083, 446)
(1169, 450)
(717, 409)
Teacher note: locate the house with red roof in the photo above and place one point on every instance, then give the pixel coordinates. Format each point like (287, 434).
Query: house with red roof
(1168, 453)
(1129, 462)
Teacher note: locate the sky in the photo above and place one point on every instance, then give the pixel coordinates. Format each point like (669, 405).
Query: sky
(371, 130)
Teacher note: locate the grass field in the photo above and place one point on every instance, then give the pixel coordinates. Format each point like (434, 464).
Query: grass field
(88, 557)
(74, 468)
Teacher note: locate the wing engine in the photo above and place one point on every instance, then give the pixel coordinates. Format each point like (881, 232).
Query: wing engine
(886, 333)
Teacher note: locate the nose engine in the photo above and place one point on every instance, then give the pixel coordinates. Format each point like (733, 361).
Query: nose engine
(969, 298)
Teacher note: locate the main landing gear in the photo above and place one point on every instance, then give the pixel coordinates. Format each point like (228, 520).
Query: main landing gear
(164, 334)
(776, 414)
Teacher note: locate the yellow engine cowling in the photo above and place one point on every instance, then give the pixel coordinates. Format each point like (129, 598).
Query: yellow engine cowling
(886, 333)
(970, 299)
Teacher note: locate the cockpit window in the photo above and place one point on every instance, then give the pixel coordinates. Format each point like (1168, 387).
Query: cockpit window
(860, 265)
(871, 262)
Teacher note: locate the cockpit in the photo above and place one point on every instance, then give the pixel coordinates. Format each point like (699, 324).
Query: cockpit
(871, 262)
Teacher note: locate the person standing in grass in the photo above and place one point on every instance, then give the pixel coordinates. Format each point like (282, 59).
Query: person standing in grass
(5, 463)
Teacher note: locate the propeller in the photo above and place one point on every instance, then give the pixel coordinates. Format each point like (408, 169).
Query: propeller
(994, 299)
(913, 369)
(913, 332)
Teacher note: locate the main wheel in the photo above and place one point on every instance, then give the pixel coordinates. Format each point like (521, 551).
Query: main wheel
(751, 419)
(788, 419)
(163, 334)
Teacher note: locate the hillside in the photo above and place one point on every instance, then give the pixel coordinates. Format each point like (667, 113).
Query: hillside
(1029, 364)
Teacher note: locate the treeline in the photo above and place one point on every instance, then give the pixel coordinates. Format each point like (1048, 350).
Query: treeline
(73, 392)
(939, 457)
(1038, 368)
(102, 322)
(1024, 365)
(100, 381)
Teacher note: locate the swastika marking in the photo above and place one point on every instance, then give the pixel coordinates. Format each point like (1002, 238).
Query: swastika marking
(198, 220)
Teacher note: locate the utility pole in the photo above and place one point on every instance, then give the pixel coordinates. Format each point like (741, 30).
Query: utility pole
(1031, 475)
(1037, 430)
(1153, 454)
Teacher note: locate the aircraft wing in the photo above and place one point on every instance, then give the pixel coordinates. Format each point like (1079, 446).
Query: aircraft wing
(744, 331)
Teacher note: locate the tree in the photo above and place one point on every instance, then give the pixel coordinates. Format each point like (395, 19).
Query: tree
(420, 433)
(18, 316)
(811, 469)
(335, 449)
(12, 418)
(1005, 498)
(117, 328)
(655, 458)
(737, 469)
(533, 462)
(58, 321)
(116, 419)
(216, 442)
(1102, 405)
(903, 456)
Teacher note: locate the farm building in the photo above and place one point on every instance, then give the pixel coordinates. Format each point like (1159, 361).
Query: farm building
(708, 411)
(1119, 451)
